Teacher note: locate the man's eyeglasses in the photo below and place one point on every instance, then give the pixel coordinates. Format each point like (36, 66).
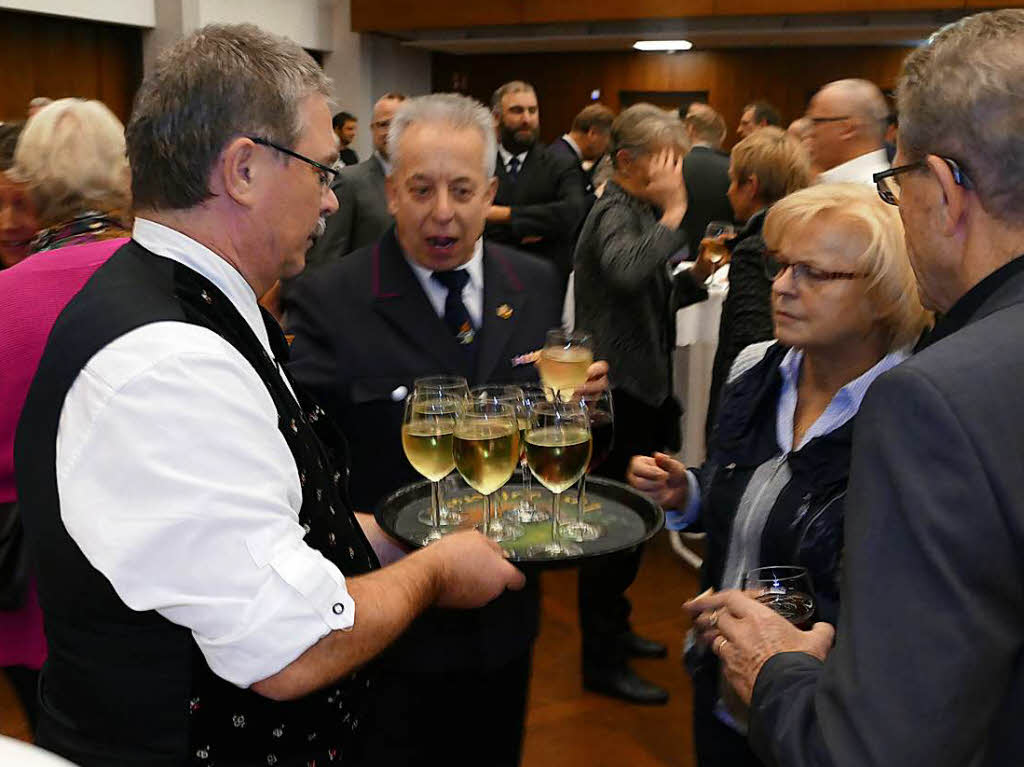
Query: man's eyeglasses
(889, 188)
(325, 173)
(773, 269)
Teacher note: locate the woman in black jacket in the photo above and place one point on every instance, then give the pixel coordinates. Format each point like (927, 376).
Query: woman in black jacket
(772, 491)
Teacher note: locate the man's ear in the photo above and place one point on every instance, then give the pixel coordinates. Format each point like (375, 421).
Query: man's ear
(954, 196)
(492, 190)
(240, 170)
(392, 190)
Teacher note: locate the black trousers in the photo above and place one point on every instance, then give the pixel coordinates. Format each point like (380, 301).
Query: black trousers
(716, 744)
(456, 719)
(604, 609)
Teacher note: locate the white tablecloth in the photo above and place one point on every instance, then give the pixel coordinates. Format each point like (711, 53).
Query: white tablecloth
(696, 342)
(16, 753)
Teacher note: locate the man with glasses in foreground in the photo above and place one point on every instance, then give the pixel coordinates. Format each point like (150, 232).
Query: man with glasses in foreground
(847, 136)
(927, 669)
(208, 596)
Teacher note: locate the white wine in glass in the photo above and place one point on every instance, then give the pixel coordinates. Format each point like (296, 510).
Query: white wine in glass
(564, 361)
(486, 450)
(428, 430)
(558, 449)
(441, 386)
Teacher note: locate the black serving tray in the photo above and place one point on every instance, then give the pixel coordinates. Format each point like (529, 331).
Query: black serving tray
(628, 517)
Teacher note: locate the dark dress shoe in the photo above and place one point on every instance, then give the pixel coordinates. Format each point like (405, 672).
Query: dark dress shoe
(640, 647)
(623, 683)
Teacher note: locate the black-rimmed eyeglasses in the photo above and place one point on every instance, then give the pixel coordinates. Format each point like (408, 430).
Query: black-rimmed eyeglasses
(889, 187)
(325, 173)
(773, 269)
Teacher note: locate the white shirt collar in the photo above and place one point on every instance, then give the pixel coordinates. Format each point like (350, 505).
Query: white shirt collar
(172, 244)
(859, 169)
(384, 163)
(437, 293)
(575, 147)
(507, 155)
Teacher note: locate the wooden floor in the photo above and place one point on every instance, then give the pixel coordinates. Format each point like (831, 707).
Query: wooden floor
(566, 725)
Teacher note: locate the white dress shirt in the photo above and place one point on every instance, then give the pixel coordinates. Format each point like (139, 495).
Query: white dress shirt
(177, 485)
(506, 157)
(858, 170)
(472, 293)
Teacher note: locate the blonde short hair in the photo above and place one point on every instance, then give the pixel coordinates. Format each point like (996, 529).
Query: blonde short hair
(779, 161)
(71, 157)
(892, 286)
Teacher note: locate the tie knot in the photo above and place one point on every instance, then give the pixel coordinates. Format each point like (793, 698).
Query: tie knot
(454, 280)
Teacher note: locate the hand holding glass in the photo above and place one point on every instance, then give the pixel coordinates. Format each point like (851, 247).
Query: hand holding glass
(784, 588)
(564, 361)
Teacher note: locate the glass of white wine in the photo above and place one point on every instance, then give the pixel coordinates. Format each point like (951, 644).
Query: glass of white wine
(428, 429)
(442, 386)
(558, 450)
(564, 361)
(486, 449)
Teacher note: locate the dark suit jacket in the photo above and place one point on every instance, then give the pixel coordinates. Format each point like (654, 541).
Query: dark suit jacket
(706, 173)
(363, 328)
(362, 214)
(928, 668)
(547, 201)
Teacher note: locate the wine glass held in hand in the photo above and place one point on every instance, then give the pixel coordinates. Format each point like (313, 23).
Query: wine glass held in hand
(602, 435)
(558, 450)
(564, 361)
(442, 386)
(486, 448)
(784, 588)
(428, 428)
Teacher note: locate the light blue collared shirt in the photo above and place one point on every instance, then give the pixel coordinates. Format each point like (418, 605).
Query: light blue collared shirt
(842, 408)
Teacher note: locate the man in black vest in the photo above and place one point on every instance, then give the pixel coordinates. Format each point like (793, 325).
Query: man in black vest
(209, 597)
(412, 293)
(927, 667)
(539, 202)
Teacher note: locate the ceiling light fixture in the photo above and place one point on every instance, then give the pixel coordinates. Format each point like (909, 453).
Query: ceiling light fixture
(662, 45)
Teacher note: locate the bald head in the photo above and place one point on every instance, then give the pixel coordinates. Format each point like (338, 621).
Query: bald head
(849, 120)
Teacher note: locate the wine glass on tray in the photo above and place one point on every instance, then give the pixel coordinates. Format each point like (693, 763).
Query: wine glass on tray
(428, 428)
(602, 435)
(442, 386)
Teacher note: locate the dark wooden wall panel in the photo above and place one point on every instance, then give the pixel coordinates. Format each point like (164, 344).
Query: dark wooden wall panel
(58, 57)
(784, 76)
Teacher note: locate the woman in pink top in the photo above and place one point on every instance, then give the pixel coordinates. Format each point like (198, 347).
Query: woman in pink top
(70, 162)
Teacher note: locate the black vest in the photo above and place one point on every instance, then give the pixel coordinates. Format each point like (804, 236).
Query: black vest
(124, 687)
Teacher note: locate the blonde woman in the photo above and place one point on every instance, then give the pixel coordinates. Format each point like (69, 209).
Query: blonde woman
(72, 162)
(845, 309)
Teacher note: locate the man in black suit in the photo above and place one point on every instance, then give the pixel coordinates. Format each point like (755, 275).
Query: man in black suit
(539, 202)
(706, 173)
(587, 142)
(927, 669)
(757, 115)
(454, 688)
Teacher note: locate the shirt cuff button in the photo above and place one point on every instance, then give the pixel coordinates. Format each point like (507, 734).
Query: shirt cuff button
(338, 608)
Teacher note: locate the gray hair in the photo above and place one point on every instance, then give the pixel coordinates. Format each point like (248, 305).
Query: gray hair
(452, 110)
(865, 102)
(220, 82)
(962, 96)
(516, 86)
(642, 127)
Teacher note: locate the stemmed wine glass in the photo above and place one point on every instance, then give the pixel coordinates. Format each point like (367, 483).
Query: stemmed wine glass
(527, 511)
(442, 386)
(486, 448)
(564, 361)
(784, 588)
(557, 450)
(428, 427)
(602, 435)
(717, 232)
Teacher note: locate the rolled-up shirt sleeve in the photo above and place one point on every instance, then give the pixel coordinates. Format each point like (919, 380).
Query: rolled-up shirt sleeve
(177, 485)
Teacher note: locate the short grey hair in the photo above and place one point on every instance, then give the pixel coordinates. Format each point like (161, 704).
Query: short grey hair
(642, 127)
(71, 158)
(865, 102)
(516, 86)
(220, 82)
(962, 96)
(452, 110)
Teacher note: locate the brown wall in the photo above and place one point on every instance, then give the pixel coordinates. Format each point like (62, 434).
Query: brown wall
(783, 76)
(57, 57)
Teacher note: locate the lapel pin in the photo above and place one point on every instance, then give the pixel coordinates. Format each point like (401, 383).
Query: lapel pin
(504, 311)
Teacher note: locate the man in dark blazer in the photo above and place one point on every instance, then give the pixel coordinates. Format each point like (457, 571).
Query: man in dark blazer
(587, 142)
(454, 687)
(706, 173)
(928, 668)
(362, 214)
(540, 201)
